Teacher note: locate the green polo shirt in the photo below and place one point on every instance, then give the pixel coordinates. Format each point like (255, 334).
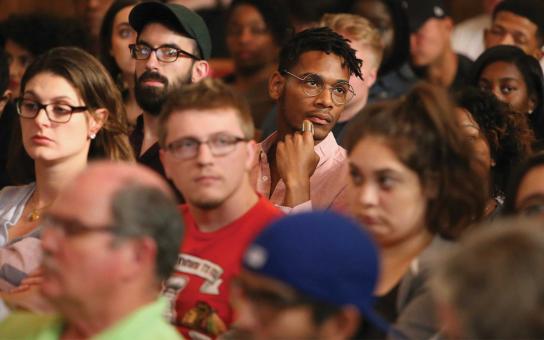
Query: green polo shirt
(145, 323)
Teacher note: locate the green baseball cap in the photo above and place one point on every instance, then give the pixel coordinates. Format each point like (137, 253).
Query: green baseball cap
(189, 22)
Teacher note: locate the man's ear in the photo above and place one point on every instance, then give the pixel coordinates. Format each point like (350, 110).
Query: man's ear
(448, 24)
(140, 255)
(538, 53)
(97, 120)
(370, 77)
(251, 149)
(165, 163)
(342, 325)
(200, 70)
(276, 83)
(487, 42)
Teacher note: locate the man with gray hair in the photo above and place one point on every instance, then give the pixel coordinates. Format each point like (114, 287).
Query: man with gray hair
(492, 285)
(110, 240)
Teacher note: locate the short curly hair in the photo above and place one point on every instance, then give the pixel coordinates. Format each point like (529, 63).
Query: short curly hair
(507, 133)
(319, 39)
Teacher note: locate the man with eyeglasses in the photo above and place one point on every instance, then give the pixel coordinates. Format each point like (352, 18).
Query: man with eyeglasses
(109, 241)
(304, 170)
(207, 148)
(171, 49)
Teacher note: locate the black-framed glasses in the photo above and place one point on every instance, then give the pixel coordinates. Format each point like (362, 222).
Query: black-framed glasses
(188, 147)
(72, 228)
(167, 54)
(313, 85)
(55, 112)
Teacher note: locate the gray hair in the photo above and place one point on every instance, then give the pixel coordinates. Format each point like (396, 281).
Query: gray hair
(140, 211)
(494, 281)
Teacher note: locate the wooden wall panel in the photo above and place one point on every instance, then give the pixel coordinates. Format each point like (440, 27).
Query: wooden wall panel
(59, 7)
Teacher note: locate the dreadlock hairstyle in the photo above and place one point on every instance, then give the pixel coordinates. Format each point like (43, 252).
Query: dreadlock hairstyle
(319, 39)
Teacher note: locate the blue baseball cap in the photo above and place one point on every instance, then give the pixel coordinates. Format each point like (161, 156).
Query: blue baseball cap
(322, 255)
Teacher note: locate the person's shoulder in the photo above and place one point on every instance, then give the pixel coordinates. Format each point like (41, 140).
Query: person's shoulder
(15, 195)
(266, 209)
(16, 190)
(24, 325)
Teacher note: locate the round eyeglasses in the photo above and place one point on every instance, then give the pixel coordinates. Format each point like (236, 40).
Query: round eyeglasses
(167, 54)
(58, 113)
(187, 148)
(313, 85)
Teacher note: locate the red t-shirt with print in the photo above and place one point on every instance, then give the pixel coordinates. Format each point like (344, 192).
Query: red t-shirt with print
(199, 288)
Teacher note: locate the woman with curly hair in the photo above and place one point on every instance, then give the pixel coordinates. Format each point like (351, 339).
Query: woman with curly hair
(413, 186)
(515, 78)
(501, 139)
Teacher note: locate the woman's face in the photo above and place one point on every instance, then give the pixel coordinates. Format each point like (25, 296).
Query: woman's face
(18, 60)
(122, 36)
(473, 133)
(530, 196)
(250, 42)
(378, 14)
(49, 141)
(385, 195)
(506, 82)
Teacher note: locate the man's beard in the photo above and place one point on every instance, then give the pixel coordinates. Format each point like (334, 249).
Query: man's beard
(150, 98)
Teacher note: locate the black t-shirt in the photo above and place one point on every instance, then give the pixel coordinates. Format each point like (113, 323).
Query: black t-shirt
(463, 73)
(150, 158)
(384, 306)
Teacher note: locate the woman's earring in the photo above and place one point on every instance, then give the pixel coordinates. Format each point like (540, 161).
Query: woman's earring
(92, 135)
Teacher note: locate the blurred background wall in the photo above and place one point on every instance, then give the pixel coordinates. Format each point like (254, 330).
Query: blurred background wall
(460, 9)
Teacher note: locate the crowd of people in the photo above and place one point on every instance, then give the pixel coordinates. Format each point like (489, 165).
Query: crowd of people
(361, 169)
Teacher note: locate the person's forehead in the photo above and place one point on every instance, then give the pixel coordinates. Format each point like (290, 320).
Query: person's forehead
(262, 282)
(515, 22)
(328, 65)
(501, 70)
(158, 34)
(203, 122)
(85, 202)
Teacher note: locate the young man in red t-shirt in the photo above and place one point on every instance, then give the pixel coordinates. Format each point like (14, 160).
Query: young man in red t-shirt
(205, 133)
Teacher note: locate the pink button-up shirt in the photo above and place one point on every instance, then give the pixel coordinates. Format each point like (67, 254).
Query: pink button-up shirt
(327, 184)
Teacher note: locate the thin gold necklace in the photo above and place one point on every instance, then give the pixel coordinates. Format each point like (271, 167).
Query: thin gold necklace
(36, 213)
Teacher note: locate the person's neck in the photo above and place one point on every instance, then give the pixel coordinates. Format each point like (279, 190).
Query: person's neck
(132, 107)
(210, 220)
(88, 318)
(351, 110)
(443, 70)
(396, 258)
(151, 137)
(246, 81)
(51, 178)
